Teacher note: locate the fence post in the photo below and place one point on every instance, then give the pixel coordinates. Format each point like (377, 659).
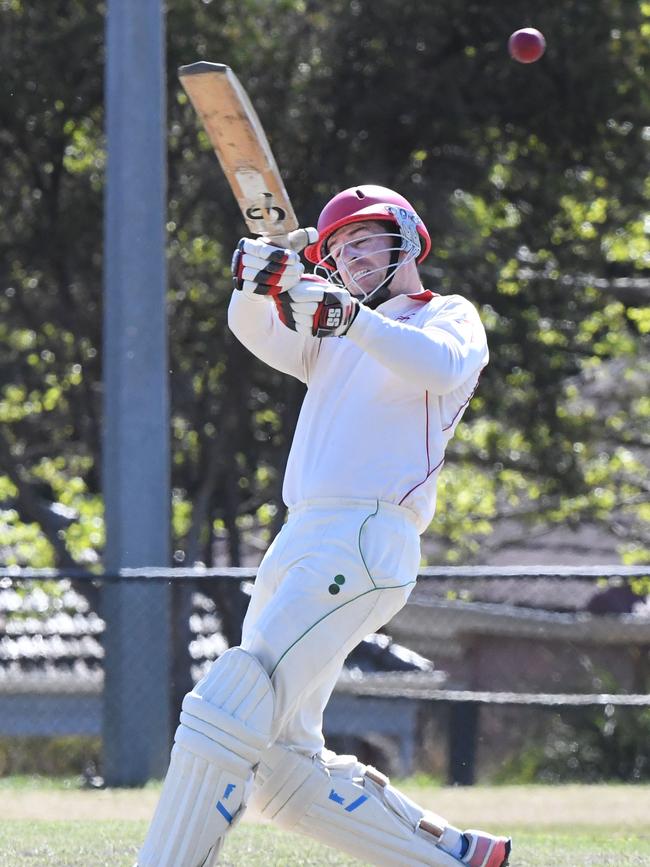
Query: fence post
(463, 731)
(136, 462)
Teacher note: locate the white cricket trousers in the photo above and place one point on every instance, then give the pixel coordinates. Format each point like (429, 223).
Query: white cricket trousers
(337, 571)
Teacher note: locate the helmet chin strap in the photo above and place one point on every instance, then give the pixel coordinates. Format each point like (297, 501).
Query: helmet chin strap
(382, 294)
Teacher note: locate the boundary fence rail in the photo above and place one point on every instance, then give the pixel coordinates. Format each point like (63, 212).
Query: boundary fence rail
(463, 705)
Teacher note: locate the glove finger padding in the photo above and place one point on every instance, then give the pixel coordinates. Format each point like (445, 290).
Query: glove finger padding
(261, 249)
(297, 307)
(273, 275)
(316, 308)
(285, 313)
(260, 269)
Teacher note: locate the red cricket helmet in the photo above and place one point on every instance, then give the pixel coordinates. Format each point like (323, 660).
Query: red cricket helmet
(366, 202)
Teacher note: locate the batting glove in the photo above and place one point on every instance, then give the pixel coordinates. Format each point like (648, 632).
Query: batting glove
(261, 269)
(316, 308)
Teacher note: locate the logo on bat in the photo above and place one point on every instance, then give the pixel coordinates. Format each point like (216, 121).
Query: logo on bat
(276, 214)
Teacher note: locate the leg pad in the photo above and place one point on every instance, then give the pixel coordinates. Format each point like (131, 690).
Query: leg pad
(225, 723)
(349, 806)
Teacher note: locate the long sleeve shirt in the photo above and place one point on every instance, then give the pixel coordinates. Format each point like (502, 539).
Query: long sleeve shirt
(382, 402)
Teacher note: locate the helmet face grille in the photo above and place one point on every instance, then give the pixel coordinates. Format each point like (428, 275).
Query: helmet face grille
(341, 273)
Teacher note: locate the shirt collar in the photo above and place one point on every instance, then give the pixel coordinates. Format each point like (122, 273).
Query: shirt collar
(422, 296)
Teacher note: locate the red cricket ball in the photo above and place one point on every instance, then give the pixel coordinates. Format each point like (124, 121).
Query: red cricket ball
(526, 45)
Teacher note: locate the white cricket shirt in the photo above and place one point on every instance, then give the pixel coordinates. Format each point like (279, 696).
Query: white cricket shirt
(381, 403)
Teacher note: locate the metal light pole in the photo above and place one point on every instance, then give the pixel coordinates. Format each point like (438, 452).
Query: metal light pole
(136, 464)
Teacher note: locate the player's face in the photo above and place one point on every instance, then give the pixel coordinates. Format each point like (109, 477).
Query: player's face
(361, 254)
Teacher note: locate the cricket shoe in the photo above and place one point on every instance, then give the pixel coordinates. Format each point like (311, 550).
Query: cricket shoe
(485, 850)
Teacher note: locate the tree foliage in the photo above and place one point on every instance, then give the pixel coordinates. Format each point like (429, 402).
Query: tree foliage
(532, 180)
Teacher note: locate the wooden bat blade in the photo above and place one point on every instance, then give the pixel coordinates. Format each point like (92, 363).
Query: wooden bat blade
(241, 146)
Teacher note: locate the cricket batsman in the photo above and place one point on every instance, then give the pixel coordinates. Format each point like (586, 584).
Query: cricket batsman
(390, 368)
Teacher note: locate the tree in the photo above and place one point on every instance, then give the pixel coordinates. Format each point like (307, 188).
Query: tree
(532, 180)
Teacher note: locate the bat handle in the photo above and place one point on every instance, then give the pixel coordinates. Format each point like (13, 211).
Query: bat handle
(296, 240)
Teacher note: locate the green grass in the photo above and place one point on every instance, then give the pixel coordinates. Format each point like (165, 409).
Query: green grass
(115, 844)
(100, 844)
(28, 782)
(612, 826)
(38, 783)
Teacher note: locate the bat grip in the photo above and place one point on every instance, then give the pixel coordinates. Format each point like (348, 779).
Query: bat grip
(296, 240)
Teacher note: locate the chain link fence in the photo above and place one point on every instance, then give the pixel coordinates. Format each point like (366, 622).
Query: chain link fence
(486, 673)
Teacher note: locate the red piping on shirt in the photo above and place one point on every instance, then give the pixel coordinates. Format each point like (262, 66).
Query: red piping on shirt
(429, 470)
(463, 405)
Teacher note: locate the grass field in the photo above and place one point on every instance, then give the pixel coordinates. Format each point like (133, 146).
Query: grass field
(43, 823)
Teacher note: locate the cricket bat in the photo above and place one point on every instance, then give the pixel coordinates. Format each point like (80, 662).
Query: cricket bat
(243, 150)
